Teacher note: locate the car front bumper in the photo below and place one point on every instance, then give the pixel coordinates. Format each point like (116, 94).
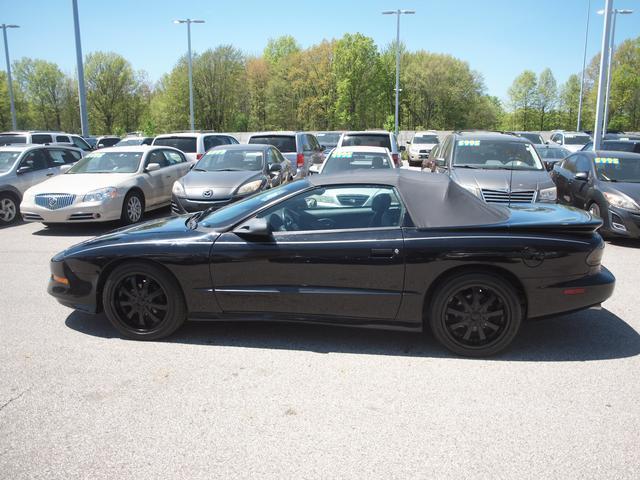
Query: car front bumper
(181, 205)
(621, 223)
(74, 213)
(80, 290)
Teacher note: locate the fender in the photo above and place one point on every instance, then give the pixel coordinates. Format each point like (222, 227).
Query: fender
(12, 189)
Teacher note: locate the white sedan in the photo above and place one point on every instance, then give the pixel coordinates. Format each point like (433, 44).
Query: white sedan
(116, 183)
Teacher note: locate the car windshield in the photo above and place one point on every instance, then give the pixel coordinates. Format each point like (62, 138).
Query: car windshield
(533, 137)
(108, 162)
(341, 161)
(553, 152)
(366, 140)
(7, 159)
(496, 155)
(576, 139)
(127, 142)
(425, 139)
(328, 139)
(618, 169)
(185, 144)
(284, 143)
(235, 212)
(221, 160)
(621, 146)
(10, 139)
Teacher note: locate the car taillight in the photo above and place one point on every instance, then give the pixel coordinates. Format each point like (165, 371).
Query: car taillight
(595, 257)
(396, 158)
(300, 160)
(199, 156)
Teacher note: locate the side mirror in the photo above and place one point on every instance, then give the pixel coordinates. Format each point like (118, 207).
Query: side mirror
(65, 168)
(582, 176)
(23, 169)
(441, 162)
(548, 166)
(255, 227)
(275, 167)
(403, 148)
(152, 167)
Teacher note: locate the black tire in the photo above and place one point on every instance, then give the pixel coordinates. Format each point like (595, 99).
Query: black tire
(132, 208)
(143, 301)
(9, 208)
(464, 314)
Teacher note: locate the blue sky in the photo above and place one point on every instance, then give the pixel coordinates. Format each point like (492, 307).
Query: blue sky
(499, 38)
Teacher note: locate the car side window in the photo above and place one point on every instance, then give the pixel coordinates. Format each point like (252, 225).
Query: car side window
(569, 164)
(157, 157)
(62, 139)
(272, 157)
(173, 158)
(446, 149)
(78, 142)
(583, 164)
(211, 141)
(341, 207)
(59, 157)
(40, 138)
(35, 160)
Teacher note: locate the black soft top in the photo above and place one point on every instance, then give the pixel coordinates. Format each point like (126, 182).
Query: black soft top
(432, 199)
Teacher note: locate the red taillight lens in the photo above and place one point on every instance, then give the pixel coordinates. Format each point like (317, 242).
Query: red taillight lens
(574, 291)
(300, 160)
(396, 158)
(199, 156)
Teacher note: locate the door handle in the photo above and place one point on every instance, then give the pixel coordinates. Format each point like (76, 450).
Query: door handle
(50, 174)
(384, 252)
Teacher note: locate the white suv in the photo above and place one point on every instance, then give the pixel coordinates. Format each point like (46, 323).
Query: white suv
(41, 137)
(194, 144)
(22, 166)
(421, 145)
(572, 141)
(373, 138)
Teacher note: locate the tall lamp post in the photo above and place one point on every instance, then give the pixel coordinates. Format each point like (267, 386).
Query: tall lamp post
(602, 77)
(398, 13)
(14, 123)
(189, 21)
(82, 95)
(584, 65)
(612, 46)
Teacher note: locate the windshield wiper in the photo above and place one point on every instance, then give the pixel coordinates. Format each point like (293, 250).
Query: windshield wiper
(193, 220)
(467, 166)
(227, 170)
(200, 170)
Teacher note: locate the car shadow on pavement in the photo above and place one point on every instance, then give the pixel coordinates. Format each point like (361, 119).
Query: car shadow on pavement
(583, 336)
(624, 242)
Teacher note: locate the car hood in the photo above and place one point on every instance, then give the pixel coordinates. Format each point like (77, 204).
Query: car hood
(502, 179)
(80, 183)
(217, 185)
(630, 189)
(172, 232)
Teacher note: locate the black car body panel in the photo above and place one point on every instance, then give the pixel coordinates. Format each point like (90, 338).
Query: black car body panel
(377, 277)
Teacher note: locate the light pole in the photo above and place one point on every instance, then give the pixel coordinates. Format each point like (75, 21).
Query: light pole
(612, 46)
(398, 13)
(14, 123)
(604, 60)
(584, 65)
(82, 94)
(189, 21)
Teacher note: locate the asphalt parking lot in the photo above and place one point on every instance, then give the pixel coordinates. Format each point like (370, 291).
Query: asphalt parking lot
(289, 401)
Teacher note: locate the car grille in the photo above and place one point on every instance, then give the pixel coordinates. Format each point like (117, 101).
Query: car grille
(31, 216)
(424, 151)
(81, 216)
(54, 201)
(353, 200)
(501, 196)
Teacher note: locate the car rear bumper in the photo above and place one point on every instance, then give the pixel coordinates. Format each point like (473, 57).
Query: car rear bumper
(565, 297)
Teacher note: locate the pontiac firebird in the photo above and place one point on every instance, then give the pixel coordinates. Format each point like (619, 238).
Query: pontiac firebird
(385, 249)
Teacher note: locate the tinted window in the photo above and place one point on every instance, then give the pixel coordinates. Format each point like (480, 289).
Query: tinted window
(173, 158)
(328, 139)
(583, 164)
(10, 139)
(425, 139)
(40, 138)
(342, 161)
(35, 160)
(108, 142)
(184, 144)
(337, 208)
(62, 139)
(7, 160)
(284, 143)
(496, 154)
(222, 160)
(112, 162)
(622, 146)
(570, 164)
(533, 137)
(127, 142)
(80, 143)
(619, 169)
(61, 157)
(157, 156)
(368, 140)
(211, 141)
(576, 139)
(553, 152)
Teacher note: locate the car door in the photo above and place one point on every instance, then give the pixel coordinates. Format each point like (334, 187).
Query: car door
(177, 167)
(158, 188)
(563, 176)
(276, 177)
(33, 169)
(334, 265)
(580, 188)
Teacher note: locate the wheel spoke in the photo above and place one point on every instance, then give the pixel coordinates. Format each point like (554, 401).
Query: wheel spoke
(457, 313)
(153, 317)
(158, 306)
(496, 313)
(481, 335)
(155, 294)
(492, 326)
(454, 326)
(467, 334)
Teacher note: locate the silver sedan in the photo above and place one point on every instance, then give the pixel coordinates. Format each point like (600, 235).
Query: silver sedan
(117, 183)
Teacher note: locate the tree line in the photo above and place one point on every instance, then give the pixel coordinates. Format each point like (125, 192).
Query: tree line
(346, 83)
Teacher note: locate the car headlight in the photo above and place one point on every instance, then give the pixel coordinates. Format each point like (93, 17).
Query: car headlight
(621, 201)
(178, 189)
(548, 194)
(101, 195)
(249, 187)
(473, 189)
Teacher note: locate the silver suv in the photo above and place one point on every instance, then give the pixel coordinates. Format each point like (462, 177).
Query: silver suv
(373, 138)
(194, 144)
(44, 138)
(22, 166)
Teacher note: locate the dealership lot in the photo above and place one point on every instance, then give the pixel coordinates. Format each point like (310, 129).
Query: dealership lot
(307, 401)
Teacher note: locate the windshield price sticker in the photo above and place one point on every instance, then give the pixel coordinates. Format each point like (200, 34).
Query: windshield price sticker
(343, 155)
(608, 160)
(468, 143)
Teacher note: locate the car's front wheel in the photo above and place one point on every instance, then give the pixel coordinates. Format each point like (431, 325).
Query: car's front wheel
(475, 314)
(143, 301)
(132, 208)
(9, 209)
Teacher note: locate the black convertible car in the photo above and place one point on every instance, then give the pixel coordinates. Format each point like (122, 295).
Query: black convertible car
(386, 249)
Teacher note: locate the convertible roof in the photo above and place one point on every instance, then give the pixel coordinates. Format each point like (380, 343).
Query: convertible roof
(433, 200)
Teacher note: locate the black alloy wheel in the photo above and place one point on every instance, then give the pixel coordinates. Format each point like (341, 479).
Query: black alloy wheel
(475, 314)
(143, 301)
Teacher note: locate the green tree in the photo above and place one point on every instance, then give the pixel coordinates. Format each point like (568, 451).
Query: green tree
(522, 94)
(569, 101)
(546, 95)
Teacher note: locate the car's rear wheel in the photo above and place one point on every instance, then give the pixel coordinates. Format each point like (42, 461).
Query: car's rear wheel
(143, 301)
(132, 208)
(594, 209)
(475, 314)
(9, 209)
